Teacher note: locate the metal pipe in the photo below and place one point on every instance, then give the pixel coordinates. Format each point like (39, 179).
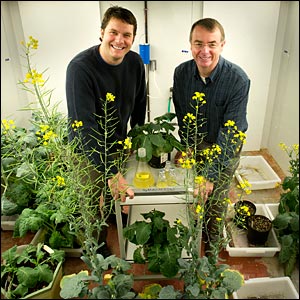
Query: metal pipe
(147, 66)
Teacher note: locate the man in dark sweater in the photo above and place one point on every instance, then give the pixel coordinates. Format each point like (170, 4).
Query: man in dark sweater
(109, 68)
(226, 88)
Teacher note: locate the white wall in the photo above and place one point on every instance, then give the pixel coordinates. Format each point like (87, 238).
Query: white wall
(63, 29)
(282, 119)
(250, 30)
(12, 97)
(253, 36)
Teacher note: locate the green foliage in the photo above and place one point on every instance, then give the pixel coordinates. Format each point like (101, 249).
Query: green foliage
(57, 231)
(155, 136)
(206, 280)
(42, 176)
(27, 269)
(118, 285)
(286, 223)
(159, 244)
(156, 291)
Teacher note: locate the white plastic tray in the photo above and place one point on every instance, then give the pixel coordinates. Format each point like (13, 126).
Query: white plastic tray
(8, 222)
(272, 209)
(257, 172)
(267, 288)
(240, 247)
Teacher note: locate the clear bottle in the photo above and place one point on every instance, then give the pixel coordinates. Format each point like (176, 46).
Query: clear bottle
(143, 177)
(162, 179)
(172, 179)
(170, 174)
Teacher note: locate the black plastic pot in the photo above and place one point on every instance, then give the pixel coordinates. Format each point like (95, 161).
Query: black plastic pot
(259, 227)
(157, 162)
(243, 210)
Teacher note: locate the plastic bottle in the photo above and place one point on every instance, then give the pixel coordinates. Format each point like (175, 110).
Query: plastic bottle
(162, 180)
(172, 180)
(143, 177)
(170, 174)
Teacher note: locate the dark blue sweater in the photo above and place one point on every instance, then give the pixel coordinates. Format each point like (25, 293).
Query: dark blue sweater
(89, 78)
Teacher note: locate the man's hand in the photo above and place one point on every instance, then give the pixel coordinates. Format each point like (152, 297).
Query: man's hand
(119, 187)
(203, 187)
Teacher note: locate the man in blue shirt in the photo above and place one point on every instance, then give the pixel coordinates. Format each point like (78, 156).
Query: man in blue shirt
(226, 88)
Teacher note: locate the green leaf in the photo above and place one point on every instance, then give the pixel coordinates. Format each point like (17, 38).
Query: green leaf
(56, 240)
(25, 170)
(138, 257)
(8, 162)
(143, 232)
(28, 276)
(232, 280)
(8, 208)
(73, 285)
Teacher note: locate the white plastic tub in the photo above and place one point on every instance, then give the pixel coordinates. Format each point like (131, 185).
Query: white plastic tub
(8, 222)
(267, 288)
(272, 209)
(257, 172)
(239, 247)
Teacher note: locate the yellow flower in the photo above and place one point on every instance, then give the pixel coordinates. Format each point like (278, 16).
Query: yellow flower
(283, 146)
(33, 43)
(127, 143)
(59, 180)
(34, 77)
(76, 124)
(199, 209)
(189, 117)
(7, 124)
(110, 97)
(187, 163)
(199, 179)
(199, 97)
(229, 123)
(108, 276)
(227, 200)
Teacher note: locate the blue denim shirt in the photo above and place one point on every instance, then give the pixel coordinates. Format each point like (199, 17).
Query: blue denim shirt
(226, 93)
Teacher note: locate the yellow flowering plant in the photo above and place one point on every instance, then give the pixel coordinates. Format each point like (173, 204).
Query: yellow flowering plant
(90, 218)
(242, 209)
(65, 202)
(206, 276)
(35, 164)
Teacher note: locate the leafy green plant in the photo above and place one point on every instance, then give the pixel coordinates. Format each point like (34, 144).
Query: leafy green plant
(158, 243)
(156, 291)
(204, 276)
(156, 137)
(117, 284)
(286, 223)
(42, 171)
(56, 230)
(68, 201)
(27, 269)
(99, 285)
(30, 156)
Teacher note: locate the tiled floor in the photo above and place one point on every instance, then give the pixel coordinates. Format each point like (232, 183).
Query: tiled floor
(250, 267)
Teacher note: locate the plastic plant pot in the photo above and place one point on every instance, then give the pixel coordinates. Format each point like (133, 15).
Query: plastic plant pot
(259, 227)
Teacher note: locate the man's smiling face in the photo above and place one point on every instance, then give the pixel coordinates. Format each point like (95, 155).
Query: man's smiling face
(117, 39)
